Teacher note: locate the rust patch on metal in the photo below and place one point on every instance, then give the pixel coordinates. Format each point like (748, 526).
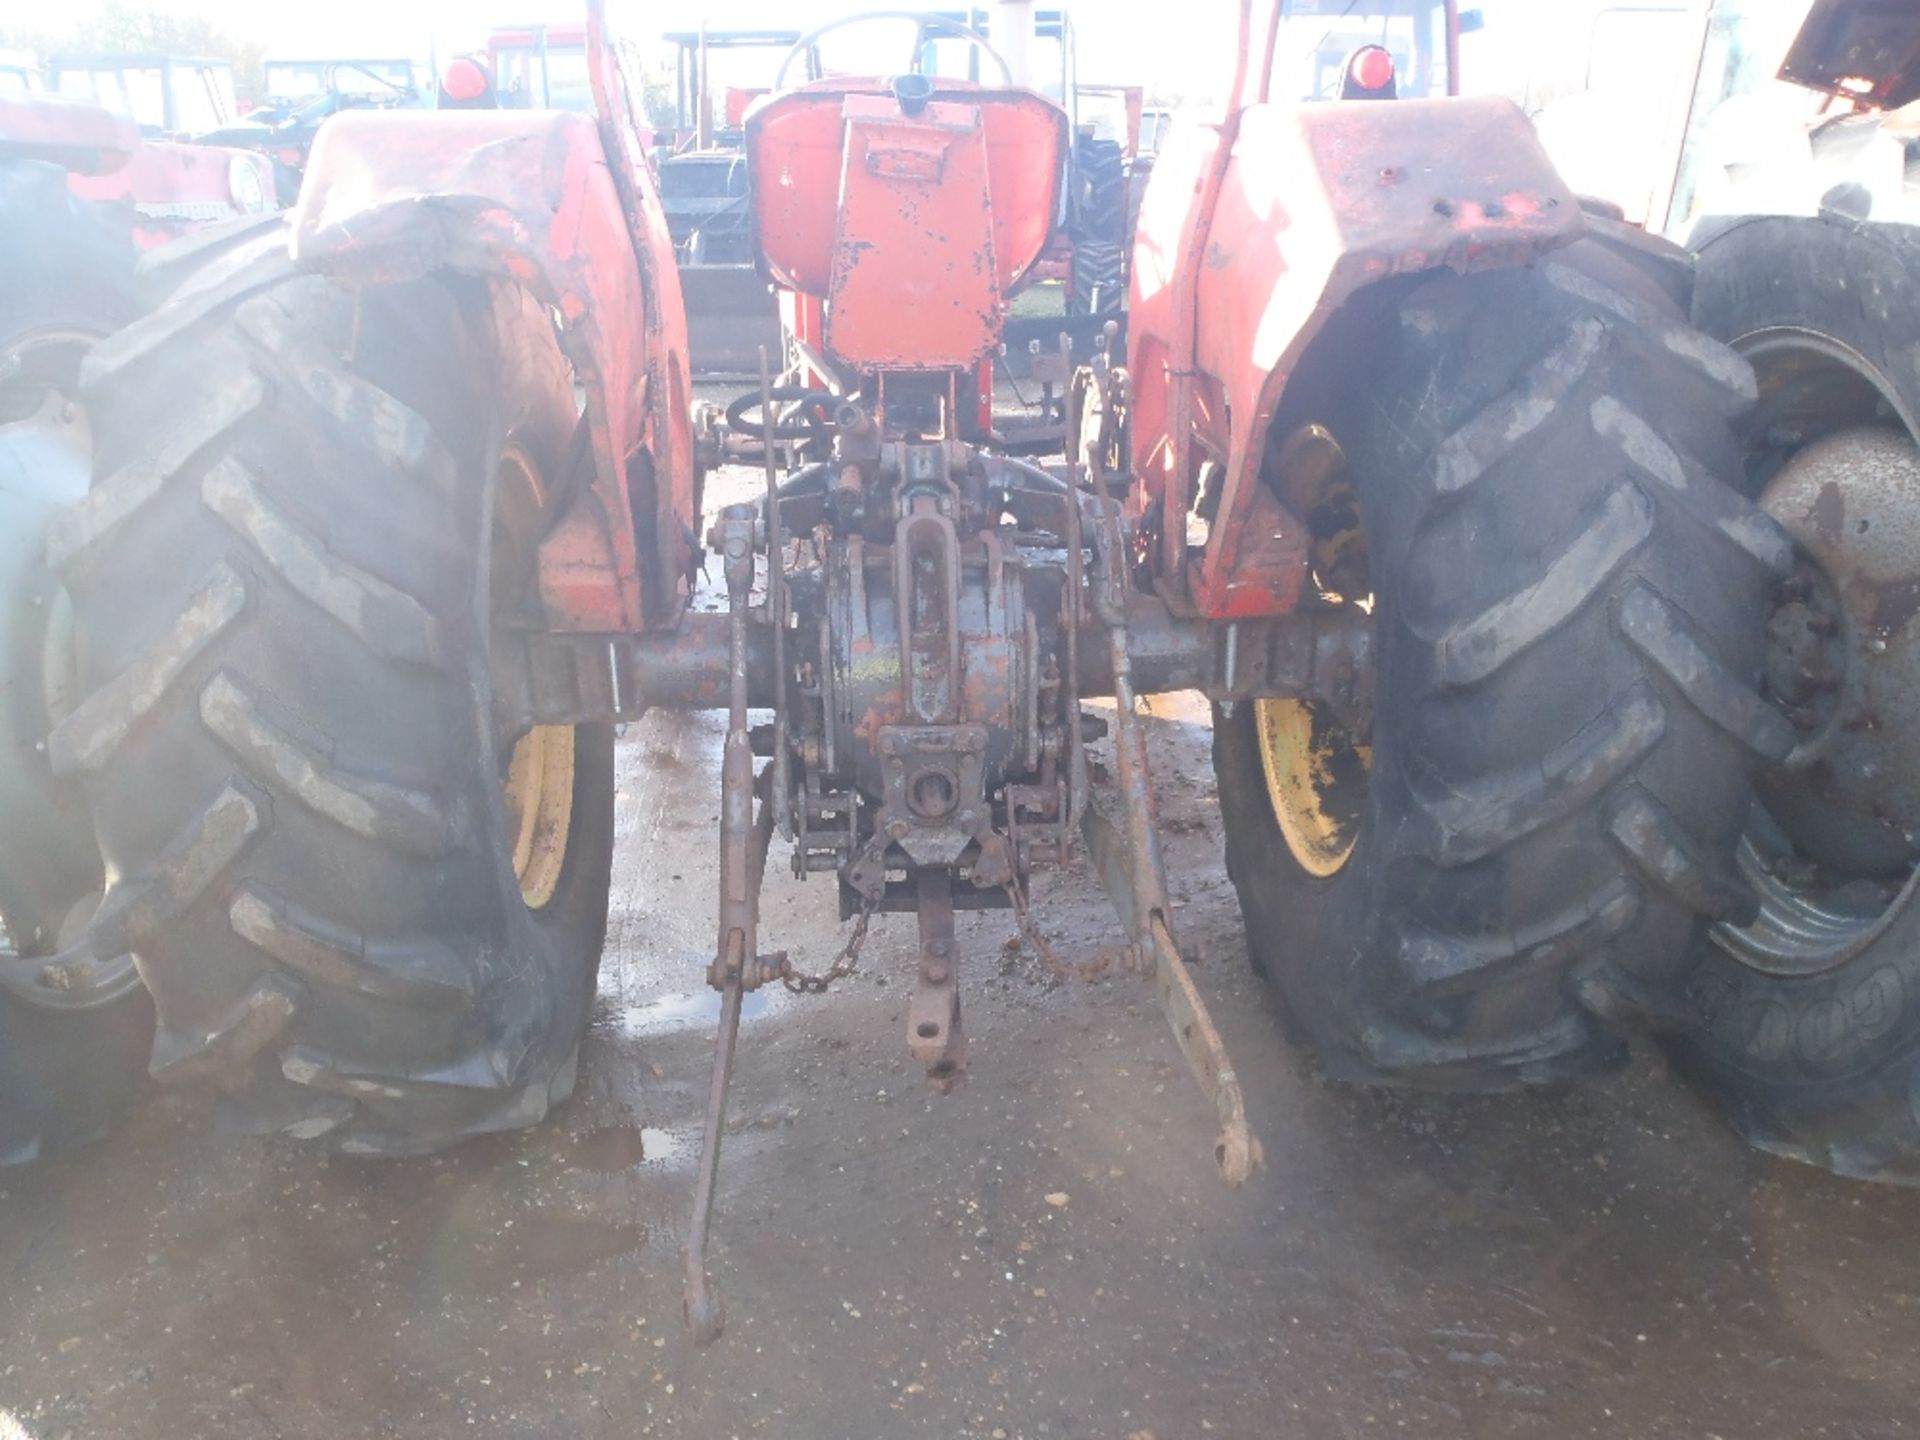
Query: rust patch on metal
(1828, 511)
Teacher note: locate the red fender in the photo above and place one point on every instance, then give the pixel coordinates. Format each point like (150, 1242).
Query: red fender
(535, 197)
(1315, 203)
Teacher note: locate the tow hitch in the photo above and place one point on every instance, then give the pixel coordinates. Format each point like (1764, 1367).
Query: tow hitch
(924, 662)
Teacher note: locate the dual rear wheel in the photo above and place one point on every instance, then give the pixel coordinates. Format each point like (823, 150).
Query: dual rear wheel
(1804, 1022)
(1644, 735)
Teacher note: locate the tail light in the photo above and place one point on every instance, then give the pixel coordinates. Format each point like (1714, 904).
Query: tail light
(464, 80)
(1369, 75)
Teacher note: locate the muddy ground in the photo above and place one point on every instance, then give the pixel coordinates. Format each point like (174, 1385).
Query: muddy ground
(1045, 1253)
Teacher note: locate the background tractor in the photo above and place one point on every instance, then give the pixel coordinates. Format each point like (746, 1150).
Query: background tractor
(298, 96)
(165, 95)
(702, 165)
(80, 192)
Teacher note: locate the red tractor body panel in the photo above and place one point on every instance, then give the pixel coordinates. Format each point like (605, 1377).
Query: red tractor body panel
(174, 187)
(912, 227)
(1313, 204)
(84, 139)
(535, 197)
(169, 186)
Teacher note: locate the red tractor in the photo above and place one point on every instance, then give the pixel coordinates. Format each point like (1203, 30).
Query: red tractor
(1418, 471)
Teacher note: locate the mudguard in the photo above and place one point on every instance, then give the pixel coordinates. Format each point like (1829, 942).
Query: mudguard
(563, 206)
(1315, 202)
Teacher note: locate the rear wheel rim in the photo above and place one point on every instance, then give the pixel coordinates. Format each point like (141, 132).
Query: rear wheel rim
(1812, 918)
(1316, 772)
(539, 797)
(1317, 768)
(538, 783)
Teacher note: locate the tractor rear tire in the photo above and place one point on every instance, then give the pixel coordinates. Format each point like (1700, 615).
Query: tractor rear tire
(1567, 594)
(71, 1054)
(1804, 1027)
(285, 580)
(1097, 272)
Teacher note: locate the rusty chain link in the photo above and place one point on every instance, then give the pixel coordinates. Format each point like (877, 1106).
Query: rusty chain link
(1110, 959)
(1107, 960)
(844, 964)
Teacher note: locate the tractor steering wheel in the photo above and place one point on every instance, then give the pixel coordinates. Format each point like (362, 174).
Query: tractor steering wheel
(926, 26)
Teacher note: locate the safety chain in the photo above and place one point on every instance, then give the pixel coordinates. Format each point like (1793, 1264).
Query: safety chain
(843, 965)
(1110, 958)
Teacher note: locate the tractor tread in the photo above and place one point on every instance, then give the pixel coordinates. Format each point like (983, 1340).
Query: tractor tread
(1667, 264)
(212, 254)
(1568, 673)
(385, 618)
(306, 827)
(1658, 631)
(1463, 457)
(137, 909)
(375, 810)
(161, 327)
(425, 971)
(102, 722)
(1729, 375)
(234, 1037)
(1440, 961)
(398, 435)
(1705, 499)
(484, 1074)
(82, 530)
(1662, 851)
(1474, 820)
(1391, 1051)
(1476, 648)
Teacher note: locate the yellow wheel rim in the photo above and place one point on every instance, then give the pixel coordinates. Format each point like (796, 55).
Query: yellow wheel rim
(1316, 774)
(539, 796)
(1316, 768)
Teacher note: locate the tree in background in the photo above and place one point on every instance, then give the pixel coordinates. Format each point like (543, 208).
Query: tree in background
(118, 28)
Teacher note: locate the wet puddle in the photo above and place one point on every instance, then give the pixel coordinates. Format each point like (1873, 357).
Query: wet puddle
(699, 1010)
(609, 1149)
(668, 1147)
(613, 1148)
